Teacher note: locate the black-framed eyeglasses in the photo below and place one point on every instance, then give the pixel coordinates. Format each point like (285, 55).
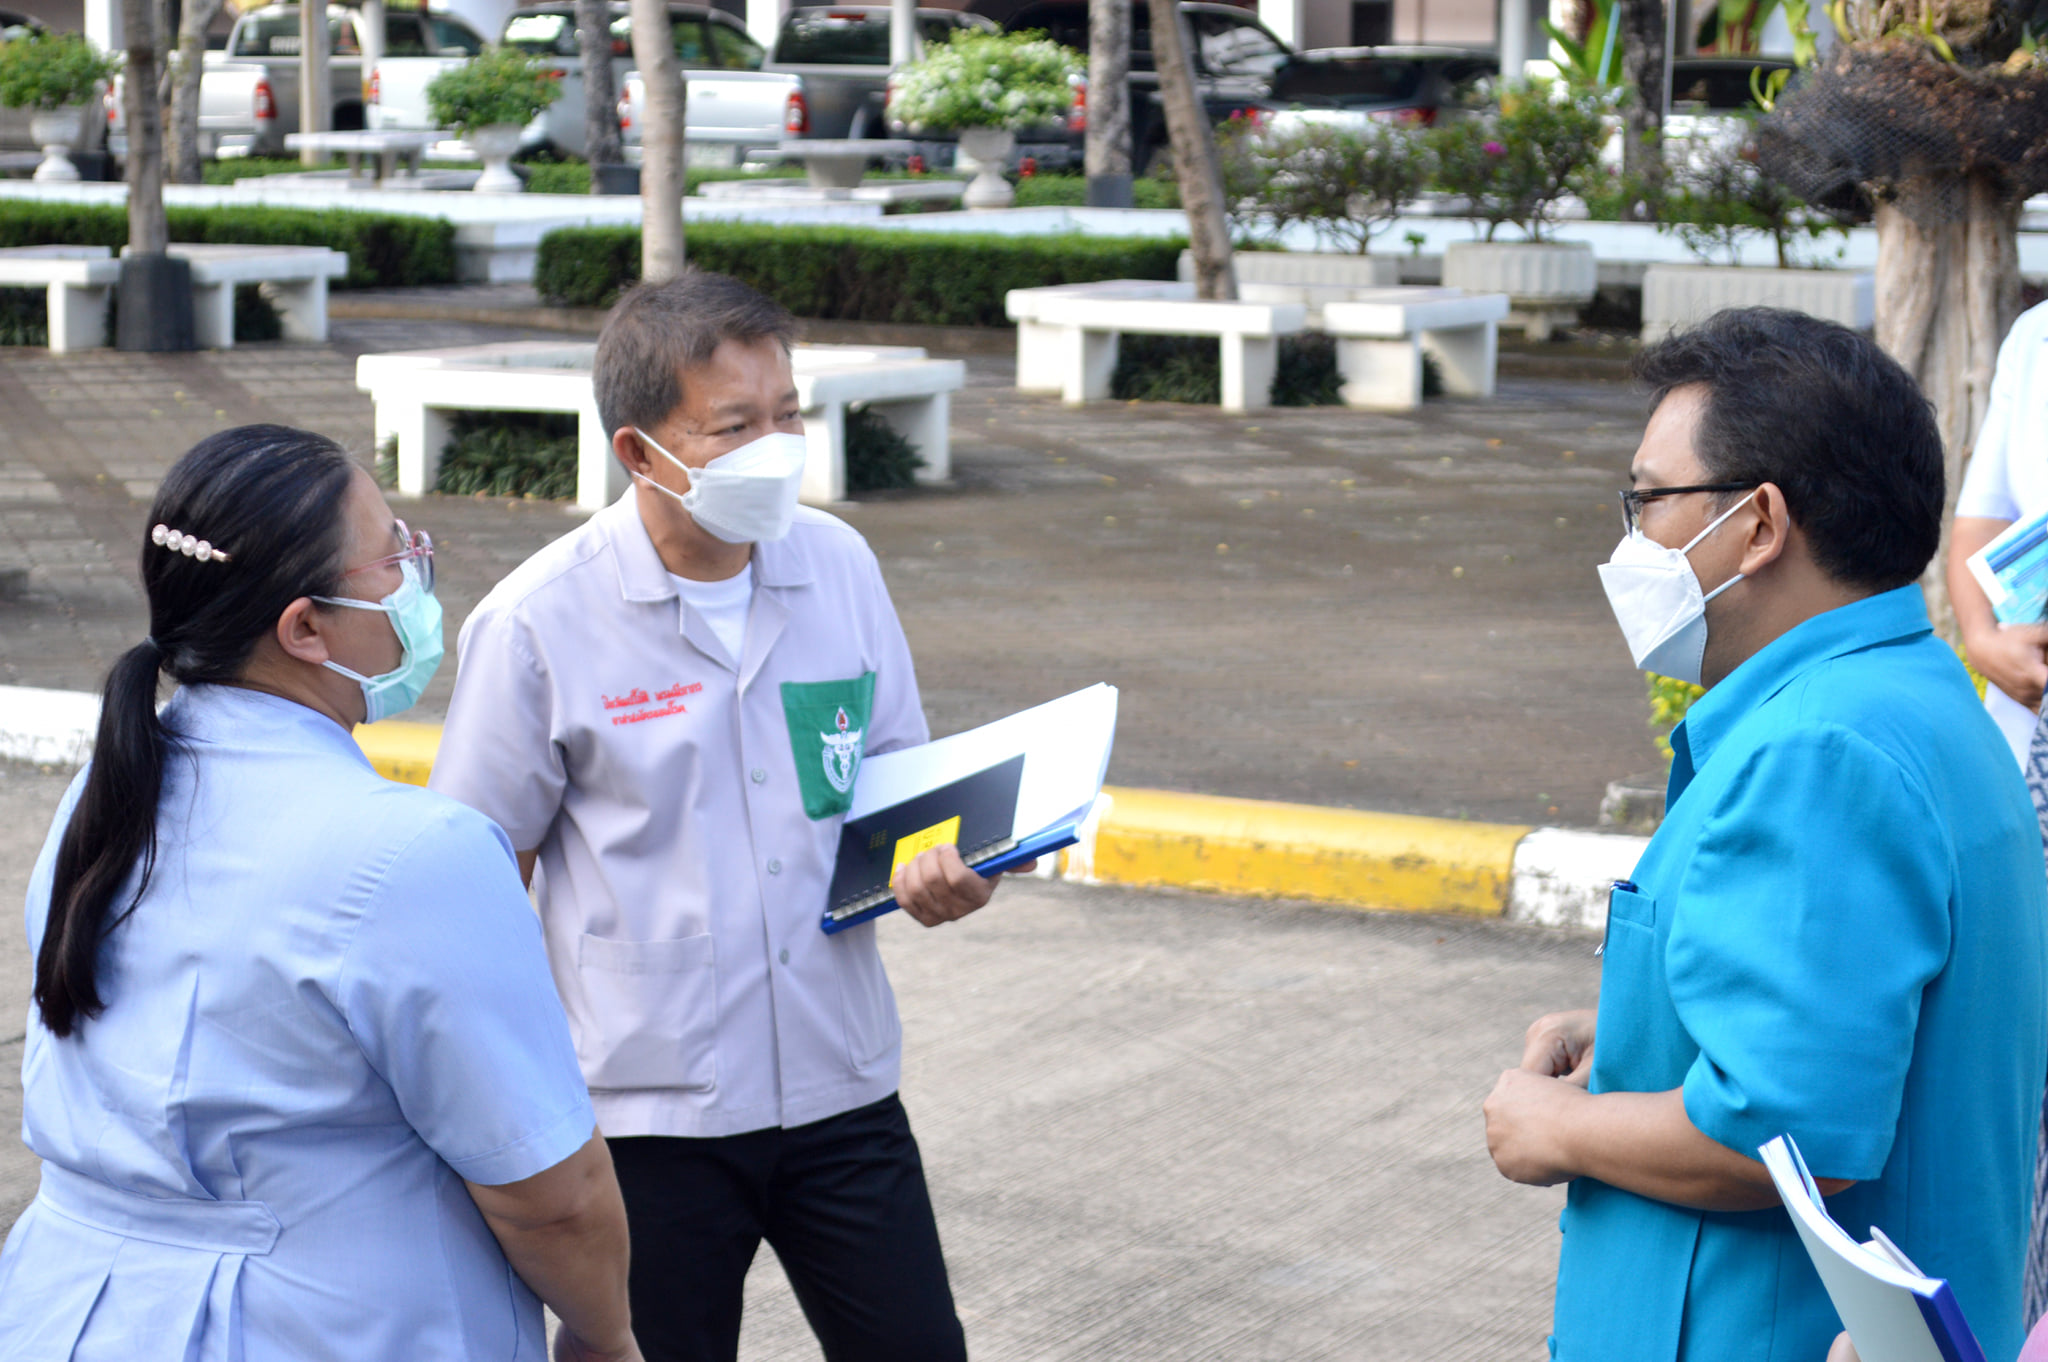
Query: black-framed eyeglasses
(419, 549)
(1632, 498)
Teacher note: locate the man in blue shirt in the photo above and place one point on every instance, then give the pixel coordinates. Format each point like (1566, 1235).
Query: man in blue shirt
(1841, 929)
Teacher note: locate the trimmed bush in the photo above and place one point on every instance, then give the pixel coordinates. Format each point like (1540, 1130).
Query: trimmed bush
(853, 273)
(384, 250)
(877, 457)
(1190, 369)
(509, 454)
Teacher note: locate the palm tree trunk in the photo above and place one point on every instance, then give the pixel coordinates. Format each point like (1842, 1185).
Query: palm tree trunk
(1194, 155)
(1946, 295)
(1642, 68)
(1107, 150)
(600, 96)
(148, 231)
(198, 16)
(661, 142)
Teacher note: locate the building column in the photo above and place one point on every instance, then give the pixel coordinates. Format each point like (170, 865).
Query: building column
(1285, 18)
(103, 25)
(764, 20)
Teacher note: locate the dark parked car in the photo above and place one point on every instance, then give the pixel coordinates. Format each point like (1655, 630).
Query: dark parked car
(1235, 58)
(1418, 84)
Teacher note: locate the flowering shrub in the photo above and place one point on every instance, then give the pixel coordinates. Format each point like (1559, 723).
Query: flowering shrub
(987, 80)
(1343, 183)
(41, 70)
(1718, 194)
(502, 86)
(1539, 142)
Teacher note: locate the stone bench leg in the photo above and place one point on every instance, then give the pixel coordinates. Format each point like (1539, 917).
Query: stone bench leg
(78, 318)
(1380, 375)
(1088, 361)
(825, 455)
(302, 307)
(1039, 362)
(600, 477)
(927, 423)
(213, 316)
(1467, 358)
(1249, 363)
(423, 432)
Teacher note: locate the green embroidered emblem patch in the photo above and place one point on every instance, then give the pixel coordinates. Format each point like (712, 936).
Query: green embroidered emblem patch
(828, 724)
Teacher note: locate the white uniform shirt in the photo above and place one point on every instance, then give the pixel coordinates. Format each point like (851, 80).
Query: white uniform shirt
(686, 809)
(329, 1007)
(2008, 474)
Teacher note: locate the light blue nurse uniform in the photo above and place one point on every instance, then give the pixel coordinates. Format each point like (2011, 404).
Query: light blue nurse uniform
(1840, 931)
(330, 1007)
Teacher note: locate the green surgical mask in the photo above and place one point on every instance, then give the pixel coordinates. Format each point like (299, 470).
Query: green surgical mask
(416, 619)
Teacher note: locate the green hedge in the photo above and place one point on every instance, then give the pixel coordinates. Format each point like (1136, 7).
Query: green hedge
(384, 250)
(854, 273)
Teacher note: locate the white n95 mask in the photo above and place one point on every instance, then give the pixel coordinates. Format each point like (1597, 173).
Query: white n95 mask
(747, 496)
(1656, 599)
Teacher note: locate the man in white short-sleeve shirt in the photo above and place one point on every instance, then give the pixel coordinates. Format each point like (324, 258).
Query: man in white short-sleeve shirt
(666, 710)
(2007, 481)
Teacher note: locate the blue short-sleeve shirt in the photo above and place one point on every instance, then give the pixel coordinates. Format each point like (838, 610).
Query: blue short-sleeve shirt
(1841, 932)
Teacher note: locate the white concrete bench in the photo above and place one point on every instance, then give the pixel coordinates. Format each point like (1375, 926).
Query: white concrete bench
(294, 278)
(79, 279)
(416, 391)
(1067, 335)
(1382, 335)
(388, 147)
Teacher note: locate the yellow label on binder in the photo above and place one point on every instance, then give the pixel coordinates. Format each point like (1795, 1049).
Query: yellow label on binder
(909, 848)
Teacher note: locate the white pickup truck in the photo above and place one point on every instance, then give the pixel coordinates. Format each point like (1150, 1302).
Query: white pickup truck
(249, 91)
(733, 105)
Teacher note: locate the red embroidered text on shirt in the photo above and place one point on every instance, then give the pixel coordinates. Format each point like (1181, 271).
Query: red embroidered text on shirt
(673, 695)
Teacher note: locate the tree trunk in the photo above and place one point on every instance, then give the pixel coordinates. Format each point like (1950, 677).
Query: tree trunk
(1642, 70)
(600, 95)
(148, 233)
(1946, 296)
(198, 16)
(661, 142)
(1107, 150)
(314, 112)
(1194, 155)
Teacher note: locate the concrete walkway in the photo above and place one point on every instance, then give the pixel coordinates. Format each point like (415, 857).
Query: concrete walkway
(1396, 613)
(1165, 1126)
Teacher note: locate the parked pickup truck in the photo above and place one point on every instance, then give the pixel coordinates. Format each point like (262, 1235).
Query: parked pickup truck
(842, 53)
(733, 104)
(729, 113)
(249, 91)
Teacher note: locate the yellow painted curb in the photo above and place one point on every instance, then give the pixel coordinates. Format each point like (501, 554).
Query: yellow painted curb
(1252, 846)
(1231, 846)
(400, 751)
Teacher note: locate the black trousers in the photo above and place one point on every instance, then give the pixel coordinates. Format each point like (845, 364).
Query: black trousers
(842, 1201)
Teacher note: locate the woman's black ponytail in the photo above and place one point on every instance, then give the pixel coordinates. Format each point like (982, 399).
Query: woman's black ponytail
(274, 500)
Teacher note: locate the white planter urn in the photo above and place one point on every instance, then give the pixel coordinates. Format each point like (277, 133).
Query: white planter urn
(989, 150)
(56, 132)
(1546, 282)
(495, 145)
(1677, 296)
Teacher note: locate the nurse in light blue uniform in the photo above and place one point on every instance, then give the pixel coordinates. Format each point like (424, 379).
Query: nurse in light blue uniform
(312, 1096)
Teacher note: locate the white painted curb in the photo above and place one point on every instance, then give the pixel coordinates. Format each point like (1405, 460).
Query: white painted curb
(47, 727)
(1562, 878)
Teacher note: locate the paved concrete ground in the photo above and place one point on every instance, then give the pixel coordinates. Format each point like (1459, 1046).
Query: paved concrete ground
(1384, 612)
(1167, 1126)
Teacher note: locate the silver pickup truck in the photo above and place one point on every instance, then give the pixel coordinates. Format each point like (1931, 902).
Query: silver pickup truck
(733, 104)
(249, 91)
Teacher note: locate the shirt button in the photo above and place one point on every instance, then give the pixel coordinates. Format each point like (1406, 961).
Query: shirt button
(758, 774)
(775, 867)
(784, 957)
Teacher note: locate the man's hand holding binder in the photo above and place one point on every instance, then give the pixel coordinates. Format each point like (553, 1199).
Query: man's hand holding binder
(937, 887)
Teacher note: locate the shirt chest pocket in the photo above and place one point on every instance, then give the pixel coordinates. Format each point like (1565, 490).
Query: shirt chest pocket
(1631, 920)
(651, 1013)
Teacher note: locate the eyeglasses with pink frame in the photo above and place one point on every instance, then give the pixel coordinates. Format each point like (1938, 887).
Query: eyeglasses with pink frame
(419, 548)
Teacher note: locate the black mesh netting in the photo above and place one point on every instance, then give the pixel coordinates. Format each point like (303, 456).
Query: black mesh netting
(1910, 128)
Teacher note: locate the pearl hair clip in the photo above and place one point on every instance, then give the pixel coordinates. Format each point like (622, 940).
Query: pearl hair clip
(186, 544)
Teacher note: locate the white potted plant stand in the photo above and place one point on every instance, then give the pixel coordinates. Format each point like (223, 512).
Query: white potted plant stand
(989, 150)
(1677, 296)
(1546, 282)
(56, 131)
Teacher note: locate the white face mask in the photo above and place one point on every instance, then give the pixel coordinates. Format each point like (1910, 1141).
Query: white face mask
(1657, 601)
(747, 496)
